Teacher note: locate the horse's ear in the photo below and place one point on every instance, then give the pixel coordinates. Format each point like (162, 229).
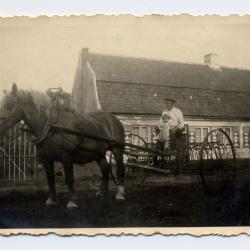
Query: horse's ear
(14, 89)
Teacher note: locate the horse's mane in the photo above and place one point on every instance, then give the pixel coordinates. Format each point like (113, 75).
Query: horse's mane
(37, 98)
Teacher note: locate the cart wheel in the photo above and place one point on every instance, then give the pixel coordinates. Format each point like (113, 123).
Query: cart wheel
(134, 175)
(218, 162)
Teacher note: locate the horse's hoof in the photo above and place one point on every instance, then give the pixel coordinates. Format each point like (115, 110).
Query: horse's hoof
(50, 202)
(120, 197)
(72, 205)
(99, 193)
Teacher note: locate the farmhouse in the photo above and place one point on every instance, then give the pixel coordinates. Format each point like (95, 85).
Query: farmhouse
(209, 95)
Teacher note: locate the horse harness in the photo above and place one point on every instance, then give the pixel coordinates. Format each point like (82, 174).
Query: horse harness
(60, 101)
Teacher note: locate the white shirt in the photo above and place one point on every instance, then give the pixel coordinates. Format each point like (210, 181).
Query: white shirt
(176, 117)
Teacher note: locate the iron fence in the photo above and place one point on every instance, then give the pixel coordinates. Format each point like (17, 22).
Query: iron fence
(18, 161)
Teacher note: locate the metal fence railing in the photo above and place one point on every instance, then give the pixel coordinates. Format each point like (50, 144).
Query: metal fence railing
(18, 161)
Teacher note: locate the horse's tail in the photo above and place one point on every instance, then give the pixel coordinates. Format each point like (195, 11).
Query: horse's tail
(121, 130)
(118, 150)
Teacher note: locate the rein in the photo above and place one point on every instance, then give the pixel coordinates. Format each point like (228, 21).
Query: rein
(57, 102)
(53, 117)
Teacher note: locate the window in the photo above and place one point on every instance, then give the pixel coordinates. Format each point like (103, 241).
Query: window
(200, 134)
(135, 139)
(142, 131)
(204, 132)
(228, 130)
(136, 130)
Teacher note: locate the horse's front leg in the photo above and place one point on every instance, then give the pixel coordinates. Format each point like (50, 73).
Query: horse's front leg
(49, 169)
(69, 179)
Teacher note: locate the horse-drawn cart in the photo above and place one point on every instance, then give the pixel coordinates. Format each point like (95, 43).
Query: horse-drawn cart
(214, 160)
(65, 136)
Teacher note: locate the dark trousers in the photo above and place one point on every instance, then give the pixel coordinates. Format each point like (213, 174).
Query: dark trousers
(177, 145)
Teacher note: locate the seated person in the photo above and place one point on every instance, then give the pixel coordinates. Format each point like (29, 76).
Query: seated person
(176, 123)
(172, 122)
(171, 127)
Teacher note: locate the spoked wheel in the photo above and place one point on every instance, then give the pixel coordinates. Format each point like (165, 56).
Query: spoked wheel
(135, 175)
(218, 162)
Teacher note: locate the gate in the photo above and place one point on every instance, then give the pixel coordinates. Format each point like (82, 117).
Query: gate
(17, 155)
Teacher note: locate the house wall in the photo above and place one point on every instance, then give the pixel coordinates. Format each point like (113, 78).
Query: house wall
(239, 131)
(84, 91)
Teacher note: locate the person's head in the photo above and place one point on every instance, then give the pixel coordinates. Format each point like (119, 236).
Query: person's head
(169, 103)
(165, 118)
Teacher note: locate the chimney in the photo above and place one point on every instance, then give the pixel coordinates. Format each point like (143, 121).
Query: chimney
(211, 60)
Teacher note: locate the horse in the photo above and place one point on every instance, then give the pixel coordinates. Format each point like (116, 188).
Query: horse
(33, 107)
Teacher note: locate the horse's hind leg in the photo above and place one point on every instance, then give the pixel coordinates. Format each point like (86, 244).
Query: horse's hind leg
(49, 169)
(105, 177)
(120, 172)
(69, 179)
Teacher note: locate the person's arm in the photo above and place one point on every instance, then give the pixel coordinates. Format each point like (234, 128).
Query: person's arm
(163, 113)
(161, 117)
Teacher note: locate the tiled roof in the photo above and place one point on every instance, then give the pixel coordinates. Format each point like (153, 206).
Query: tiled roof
(137, 70)
(138, 86)
(124, 98)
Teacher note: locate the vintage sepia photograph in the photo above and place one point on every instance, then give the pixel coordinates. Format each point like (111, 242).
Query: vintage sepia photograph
(124, 123)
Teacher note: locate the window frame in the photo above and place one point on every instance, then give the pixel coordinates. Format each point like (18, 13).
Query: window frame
(141, 127)
(202, 137)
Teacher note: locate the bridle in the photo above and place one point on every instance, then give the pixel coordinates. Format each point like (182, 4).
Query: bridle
(9, 119)
(55, 109)
(52, 119)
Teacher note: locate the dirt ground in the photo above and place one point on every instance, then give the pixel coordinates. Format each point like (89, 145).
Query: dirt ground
(160, 204)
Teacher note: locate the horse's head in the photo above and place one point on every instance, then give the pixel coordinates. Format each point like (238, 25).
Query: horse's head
(11, 111)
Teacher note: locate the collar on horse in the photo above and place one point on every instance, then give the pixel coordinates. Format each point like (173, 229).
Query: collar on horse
(59, 101)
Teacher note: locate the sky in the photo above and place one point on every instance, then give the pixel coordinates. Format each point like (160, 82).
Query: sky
(40, 53)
